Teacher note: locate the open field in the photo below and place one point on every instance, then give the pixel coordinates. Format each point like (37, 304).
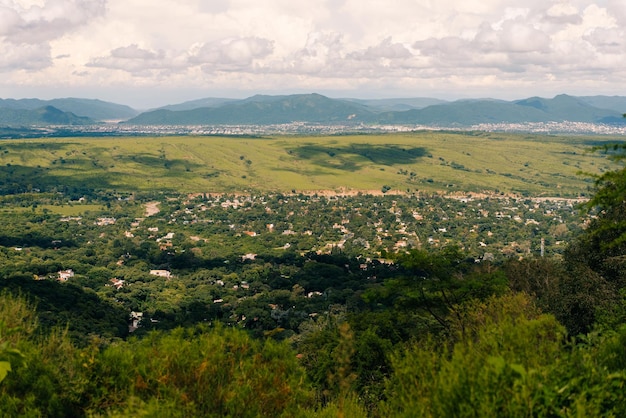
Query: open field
(424, 161)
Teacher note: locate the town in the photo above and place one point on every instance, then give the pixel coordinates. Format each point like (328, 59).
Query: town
(224, 251)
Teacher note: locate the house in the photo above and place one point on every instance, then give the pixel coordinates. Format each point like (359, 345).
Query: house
(167, 237)
(161, 273)
(165, 246)
(117, 283)
(135, 320)
(64, 275)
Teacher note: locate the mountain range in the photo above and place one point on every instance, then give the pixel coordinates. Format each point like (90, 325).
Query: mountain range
(318, 109)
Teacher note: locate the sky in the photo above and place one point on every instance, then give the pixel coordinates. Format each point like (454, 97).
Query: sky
(148, 53)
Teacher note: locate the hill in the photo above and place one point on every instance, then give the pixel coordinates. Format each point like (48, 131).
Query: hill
(425, 161)
(196, 104)
(266, 110)
(466, 112)
(614, 103)
(564, 107)
(47, 115)
(318, 109)
(315, 108)
(397, 105)
(94, 109)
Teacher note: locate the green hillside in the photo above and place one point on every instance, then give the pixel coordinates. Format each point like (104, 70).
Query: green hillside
(47, 115)
(315, 108)
(90, 108)
(428, 161)
(263, 110)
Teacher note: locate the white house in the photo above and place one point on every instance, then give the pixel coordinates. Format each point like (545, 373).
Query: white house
(161, 273)
(64, 275)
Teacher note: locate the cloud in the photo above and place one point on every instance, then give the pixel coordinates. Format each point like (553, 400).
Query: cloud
(213, 6)
(287, 45)
(133, 52)
(24, 57)
(51, 20)
(138, 61)
(607, 40)
(231, 54)
(320, 52)
(617, 9)
(514, 36)
(563, 13)
(385, 50)
(26, 32)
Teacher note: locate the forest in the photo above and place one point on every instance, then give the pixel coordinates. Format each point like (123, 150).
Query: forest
(148, 303)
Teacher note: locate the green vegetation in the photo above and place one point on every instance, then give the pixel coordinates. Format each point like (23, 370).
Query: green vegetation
(427, 161)
(43, 116)
(117, 302)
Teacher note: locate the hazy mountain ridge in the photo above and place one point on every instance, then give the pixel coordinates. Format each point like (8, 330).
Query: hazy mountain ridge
(318, 109)
(195, 104)
(91, 108)
(260, 109)
(315, 108)
(398, 105)
(47, 115)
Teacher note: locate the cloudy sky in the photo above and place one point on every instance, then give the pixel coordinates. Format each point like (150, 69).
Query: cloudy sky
(147, 53)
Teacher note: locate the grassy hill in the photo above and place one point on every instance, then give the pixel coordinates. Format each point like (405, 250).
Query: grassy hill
(427, 161)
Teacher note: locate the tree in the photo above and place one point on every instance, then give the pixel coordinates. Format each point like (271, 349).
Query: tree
(603, 245)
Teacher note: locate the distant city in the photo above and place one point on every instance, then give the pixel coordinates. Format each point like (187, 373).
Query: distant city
(114, 129)
(313, 114)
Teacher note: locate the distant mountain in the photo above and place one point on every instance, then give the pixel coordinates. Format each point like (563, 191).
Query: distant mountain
(466, 113)
(47, 115)
(91, 108)
(564, 107)
(315, 108)
(318, 109)
(196, 104)
(473, 112)
(263, 110)
(615, 103)
(397, 105)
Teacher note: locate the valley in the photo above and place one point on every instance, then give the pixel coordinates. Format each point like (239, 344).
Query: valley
(313, 271)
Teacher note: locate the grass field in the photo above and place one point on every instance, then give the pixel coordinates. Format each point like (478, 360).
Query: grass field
(425, 161)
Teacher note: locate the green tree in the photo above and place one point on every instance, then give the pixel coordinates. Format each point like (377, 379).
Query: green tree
(603, 245)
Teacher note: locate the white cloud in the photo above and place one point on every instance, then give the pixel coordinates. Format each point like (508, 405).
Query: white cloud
(232, 54)
(50, 20)
(385, 50)
(27, 29)
(27, 57)
(607, 40)
(563, 13)
(335, 44)
(318, 55)
(139, 61)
